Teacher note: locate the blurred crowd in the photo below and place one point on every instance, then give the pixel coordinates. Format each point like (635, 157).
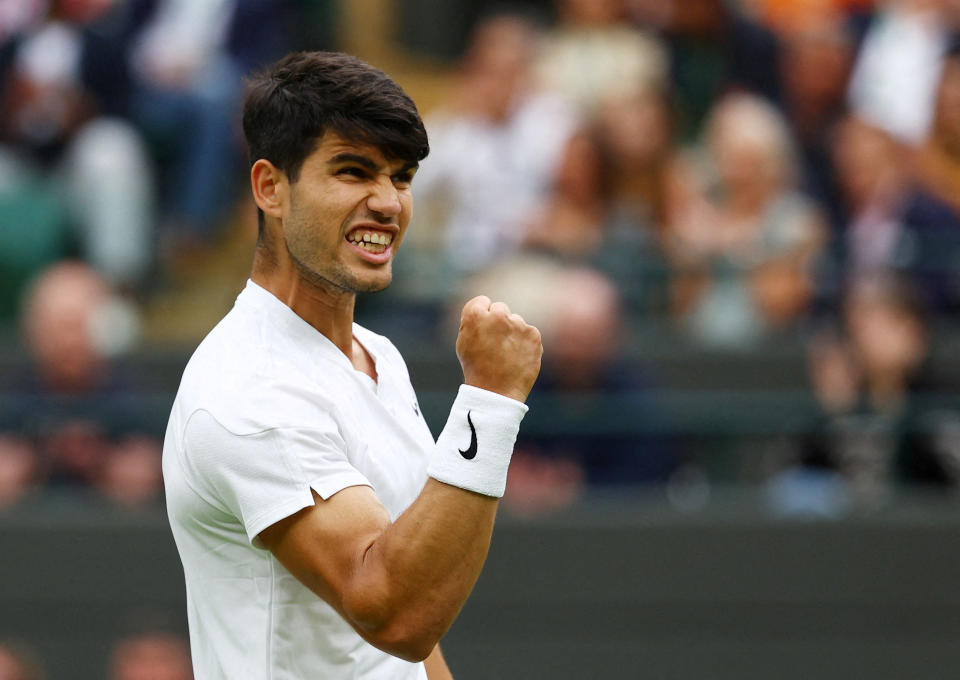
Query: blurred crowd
(743, 172)
(142, 655)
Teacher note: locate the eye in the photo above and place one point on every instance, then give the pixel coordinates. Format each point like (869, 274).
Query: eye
(403, 179)
(353, 171)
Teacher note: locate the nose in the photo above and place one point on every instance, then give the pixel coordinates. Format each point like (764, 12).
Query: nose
(385, 199)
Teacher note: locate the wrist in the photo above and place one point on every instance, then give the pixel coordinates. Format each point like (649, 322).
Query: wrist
(514, 394)
(473, 451)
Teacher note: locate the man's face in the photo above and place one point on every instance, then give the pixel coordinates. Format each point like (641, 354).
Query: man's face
(346, 215)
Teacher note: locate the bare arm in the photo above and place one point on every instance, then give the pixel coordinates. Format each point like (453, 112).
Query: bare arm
(436, 666)
(401, 584)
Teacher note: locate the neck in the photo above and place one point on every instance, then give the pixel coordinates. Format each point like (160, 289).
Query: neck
(326, 308)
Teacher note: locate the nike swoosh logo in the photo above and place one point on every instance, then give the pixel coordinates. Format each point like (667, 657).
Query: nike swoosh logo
(472, 449)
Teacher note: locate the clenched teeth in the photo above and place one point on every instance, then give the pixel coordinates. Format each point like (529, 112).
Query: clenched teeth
(360, 237)
(372, 247)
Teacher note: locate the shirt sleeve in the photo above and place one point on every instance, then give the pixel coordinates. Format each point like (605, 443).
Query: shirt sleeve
(265, 476)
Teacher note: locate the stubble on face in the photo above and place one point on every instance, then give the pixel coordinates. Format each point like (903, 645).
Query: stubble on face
(342, 187)
(319, 267)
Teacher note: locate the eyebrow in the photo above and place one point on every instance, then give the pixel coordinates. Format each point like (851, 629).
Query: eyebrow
(367, 163)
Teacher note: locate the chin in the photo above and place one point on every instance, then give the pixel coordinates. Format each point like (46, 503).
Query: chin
(369, 282)
(373, 286)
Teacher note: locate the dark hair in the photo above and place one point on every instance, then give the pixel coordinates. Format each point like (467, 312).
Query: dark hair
(291, 104)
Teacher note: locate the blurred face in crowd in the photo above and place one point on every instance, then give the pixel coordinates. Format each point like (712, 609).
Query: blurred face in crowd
(580, 175)
(750, 148)
(948, 107)
(866, 161)
(346, 214)
(496, 67)
(14, 666)
(636, 129)
(59, 316)
(584, 334)
(816, 63)
(131, 474)
(151, 657)
(18, 464)
(888, 336)
(76, 449)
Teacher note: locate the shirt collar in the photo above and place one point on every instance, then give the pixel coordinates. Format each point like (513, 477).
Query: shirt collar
(285, 328)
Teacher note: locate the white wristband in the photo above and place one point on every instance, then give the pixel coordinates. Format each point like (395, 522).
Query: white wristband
(474, 449)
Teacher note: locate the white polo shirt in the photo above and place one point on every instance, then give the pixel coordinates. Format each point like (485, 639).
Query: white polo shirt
(269, 408)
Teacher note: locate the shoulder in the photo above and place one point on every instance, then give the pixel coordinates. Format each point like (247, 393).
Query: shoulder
(248, 386)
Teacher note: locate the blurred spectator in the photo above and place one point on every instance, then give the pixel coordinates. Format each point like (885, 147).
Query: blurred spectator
(131, 475)
(744, 241)
(600, 210)
(635, 135)
(187, 64)
(594, 52)
(18, 472)
(493, 148)
(18, 662)
(186, 94)
(17, 15)
(895, 77)
(869, 380)
(151, 656)
(939, 160)
(714, 49)
(817, 56)
(94, 170)
(60, 311)
(73, 398)
(110, 193)
(892, 222)
(69, 331)
(572, 222)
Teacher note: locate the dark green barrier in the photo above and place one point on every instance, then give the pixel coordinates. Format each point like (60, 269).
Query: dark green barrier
(619, 590)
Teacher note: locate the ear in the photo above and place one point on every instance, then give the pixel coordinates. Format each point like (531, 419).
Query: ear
(270, 186)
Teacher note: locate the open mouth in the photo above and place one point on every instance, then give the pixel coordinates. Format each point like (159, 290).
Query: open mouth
(371, 240)
(372, 244)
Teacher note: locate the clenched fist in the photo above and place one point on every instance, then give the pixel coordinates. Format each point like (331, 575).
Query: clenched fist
(498, 350)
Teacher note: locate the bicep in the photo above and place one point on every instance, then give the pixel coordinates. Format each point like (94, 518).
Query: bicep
(324, 545)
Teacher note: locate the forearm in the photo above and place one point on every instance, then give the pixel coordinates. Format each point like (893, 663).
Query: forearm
(416, 573)
(416, 576)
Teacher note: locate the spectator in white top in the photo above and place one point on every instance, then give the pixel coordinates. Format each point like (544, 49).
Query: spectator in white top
(894, 81)
(495, 147)
(595, 52)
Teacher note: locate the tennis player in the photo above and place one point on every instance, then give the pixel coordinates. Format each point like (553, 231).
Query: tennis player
(323, 533)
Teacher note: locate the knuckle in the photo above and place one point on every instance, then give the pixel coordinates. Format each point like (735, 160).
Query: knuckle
(500, 308)
(476, 304)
